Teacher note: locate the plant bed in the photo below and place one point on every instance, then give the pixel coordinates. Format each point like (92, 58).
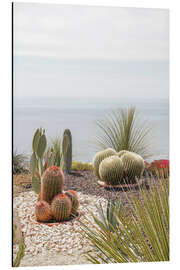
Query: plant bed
(123, 187)
(53, 222)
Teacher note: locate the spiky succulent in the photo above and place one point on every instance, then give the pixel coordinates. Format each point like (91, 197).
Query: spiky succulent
(100, 156)
(67, 150)
(61, 207)
(133, 165)
(43, 211)
(52, 183)
(74, 199)
(111, 170)
(122, 152)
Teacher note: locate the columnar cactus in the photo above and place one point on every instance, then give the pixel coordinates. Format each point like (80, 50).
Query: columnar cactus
(43, 211)
(52, 183)
(74, 199)
(67, 150)
(133, 165)
(61, 207)
(111, 170)
(100, 156)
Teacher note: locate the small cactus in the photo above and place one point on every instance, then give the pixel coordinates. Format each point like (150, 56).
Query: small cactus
(61, 207)
(67, 150)
(100, 156)
(133, 165)
(43, 211)
(111, 170)
(74, 199)
(52, 183)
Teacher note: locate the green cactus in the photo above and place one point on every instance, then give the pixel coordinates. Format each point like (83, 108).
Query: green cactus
(61, 207)
(74, 199)
(67, 150)
(20, 253)
(36, 162)
(133, 165)
(111, 170)
(122, 152)
(43, 211)
(100, 156)
(52, 183)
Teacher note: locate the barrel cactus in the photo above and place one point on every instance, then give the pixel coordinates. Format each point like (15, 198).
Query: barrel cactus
(100, 156)
(52, 183)
(74, 199)
(122, 152)
(133, 165)
(61, 207)
(43, 211)
(67, 150)
(111, 170)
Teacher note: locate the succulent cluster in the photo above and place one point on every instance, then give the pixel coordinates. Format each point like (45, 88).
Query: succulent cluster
(116, 168)
(54, 203)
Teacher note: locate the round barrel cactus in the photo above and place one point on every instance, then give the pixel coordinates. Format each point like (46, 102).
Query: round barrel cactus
(111, 170)
(61, 207)
(43, 211)
(122, 152)
(100, 156)
(74, 199)
(133, 165)
(52, 183)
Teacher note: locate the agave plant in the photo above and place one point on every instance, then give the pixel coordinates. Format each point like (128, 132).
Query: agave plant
(54, 153)
(141, 233)
(122, 130)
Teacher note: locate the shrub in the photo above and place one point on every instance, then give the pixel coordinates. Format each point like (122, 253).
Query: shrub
(80, 166)
(122, 130)
(142, 231)
(19, 163)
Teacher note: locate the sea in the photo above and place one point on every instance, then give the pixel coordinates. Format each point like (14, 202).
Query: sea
(80, 115)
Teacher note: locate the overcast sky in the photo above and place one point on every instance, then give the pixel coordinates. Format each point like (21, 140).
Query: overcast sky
(59, 32)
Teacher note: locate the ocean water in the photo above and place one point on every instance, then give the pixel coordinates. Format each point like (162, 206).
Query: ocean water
(80, 116)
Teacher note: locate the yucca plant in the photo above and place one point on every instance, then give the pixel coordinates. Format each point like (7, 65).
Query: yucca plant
(123, 130)
(142, 231)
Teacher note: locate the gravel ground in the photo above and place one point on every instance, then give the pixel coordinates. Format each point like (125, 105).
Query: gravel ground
(60, 244)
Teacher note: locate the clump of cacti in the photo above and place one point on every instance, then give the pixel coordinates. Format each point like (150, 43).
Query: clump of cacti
(67, 150)
(74, 199)
(118, 168)
(99, 157)
(61, 207)
(111, 170)
(52, 183)
(43, 211)
(133, 165)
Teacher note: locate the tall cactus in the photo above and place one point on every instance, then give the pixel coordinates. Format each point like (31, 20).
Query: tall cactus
(36, 162)
(111, 170)
(43, 211)
(133, 165)
(52, 183)
(67, 150)
(100, 156)
(61, 207)
(74, 199)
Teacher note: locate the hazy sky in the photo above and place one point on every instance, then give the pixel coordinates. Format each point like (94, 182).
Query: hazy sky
(76, 51)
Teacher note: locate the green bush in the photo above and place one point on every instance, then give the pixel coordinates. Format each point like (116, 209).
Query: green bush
(80, 166)
(19, 163)
(141, 233)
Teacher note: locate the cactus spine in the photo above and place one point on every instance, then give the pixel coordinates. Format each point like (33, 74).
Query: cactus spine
(67, 150)
(74, 199)
(111, 170)
(52, 183)
(43, 211)
(133, 165)
(100, 156)
(61, 207)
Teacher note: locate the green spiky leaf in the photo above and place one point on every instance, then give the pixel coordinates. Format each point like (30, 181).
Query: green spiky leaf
(36, 140)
